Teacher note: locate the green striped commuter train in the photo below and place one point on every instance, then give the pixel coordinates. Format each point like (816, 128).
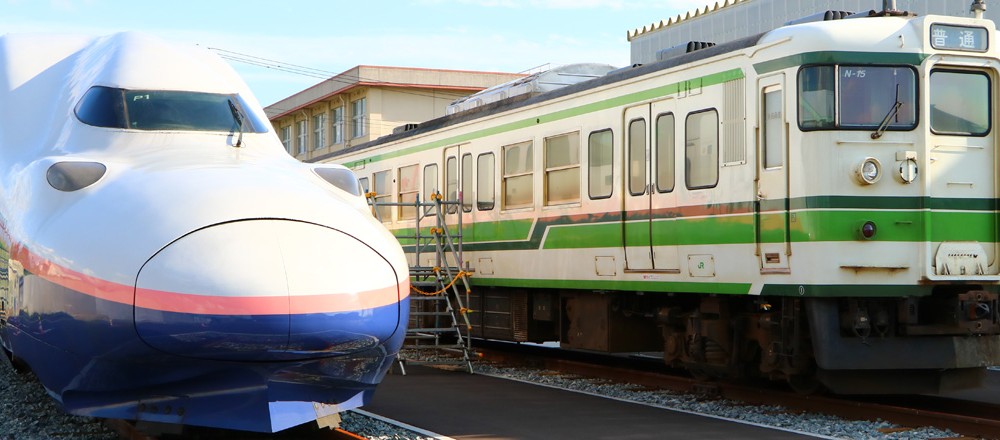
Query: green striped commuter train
(816, 204)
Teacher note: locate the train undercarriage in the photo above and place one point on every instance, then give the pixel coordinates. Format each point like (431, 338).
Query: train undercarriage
(870, 345)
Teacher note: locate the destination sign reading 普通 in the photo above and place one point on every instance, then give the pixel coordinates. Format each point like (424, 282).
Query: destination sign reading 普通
(964, 38)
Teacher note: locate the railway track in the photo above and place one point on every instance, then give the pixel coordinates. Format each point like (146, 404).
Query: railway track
(974, 419)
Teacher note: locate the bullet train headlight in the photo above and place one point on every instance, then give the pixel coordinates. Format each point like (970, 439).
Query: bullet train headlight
(72, 176)
(869, 172)
(342, 178)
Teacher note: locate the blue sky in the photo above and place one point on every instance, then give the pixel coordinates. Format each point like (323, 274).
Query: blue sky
(333, 36)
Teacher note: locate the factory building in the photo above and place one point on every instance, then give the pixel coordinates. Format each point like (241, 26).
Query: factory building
(728, 20)
(367, 102)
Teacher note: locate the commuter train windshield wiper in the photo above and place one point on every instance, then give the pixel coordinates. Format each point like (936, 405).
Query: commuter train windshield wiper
(892, 112)
(238, 117)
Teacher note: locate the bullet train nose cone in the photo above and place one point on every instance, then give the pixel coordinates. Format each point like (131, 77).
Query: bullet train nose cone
(266, 290)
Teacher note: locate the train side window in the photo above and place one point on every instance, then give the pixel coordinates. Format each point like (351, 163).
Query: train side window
(485, 184)
(467, 182)
(562, 169)
(600, 170)
(451, 182)
(383, 194)
(701, 149)
(517, 176)
(637, 157)
(408, 190)
(816, 97)
(363, 181)
(665, 153)
(430, 181)
(960, 103)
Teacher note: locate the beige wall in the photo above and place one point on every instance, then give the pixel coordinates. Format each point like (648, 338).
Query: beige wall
(394, 97)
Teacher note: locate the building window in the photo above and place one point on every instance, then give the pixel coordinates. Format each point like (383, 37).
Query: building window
(303, 136)
(319, 131)
(383, 194)
(338, 126)
(359, 119)
(286, 138)
(517, 176)
(600, 164)
(485, 194)
(701, 142)
(562, 169)
(408, 191)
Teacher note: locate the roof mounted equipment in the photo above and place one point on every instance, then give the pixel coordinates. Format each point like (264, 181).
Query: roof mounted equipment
(821, 16)
(682, 49)
(978, 8)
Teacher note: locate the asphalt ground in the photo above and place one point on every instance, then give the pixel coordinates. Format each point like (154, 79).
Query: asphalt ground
(473, 406)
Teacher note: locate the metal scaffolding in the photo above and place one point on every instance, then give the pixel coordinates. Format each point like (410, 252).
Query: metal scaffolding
(440, 289)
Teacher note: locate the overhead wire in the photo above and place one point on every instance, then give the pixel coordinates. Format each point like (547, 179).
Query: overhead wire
(324, 75)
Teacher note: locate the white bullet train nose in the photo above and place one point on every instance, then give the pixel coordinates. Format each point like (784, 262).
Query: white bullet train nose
(266, 290)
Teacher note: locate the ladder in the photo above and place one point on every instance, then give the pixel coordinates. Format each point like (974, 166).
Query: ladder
(440, 290)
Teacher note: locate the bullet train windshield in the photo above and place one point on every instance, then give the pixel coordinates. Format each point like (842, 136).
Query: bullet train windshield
(166, 110)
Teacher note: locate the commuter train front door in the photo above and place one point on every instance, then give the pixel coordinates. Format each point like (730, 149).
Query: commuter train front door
(771, 209)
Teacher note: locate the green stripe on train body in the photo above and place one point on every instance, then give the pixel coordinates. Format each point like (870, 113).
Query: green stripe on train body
(828, 219)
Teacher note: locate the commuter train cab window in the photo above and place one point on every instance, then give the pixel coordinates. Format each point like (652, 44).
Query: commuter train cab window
(600, 170)
(701, 149)
(431, 185)
(664, 153)
(383, 194)
(485, 181)
(562, 169)
(517, 176)
(451, 182)
(166, 110)
(862, 97)
(960, 103)
(407, 184)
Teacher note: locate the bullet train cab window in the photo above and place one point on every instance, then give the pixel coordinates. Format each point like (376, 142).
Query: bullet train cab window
(960, 103)
(857, 97)
(166, 110)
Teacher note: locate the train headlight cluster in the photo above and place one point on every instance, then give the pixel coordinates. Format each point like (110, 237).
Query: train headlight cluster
(73, 176)
(869, 171)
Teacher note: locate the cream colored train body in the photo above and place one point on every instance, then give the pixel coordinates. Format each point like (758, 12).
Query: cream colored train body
(819, 201)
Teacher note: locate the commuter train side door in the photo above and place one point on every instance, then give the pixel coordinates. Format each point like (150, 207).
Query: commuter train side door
(771, 209)
(649, 154)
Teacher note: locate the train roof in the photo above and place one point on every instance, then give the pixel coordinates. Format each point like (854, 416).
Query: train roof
(853, 34)
(529, 99)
